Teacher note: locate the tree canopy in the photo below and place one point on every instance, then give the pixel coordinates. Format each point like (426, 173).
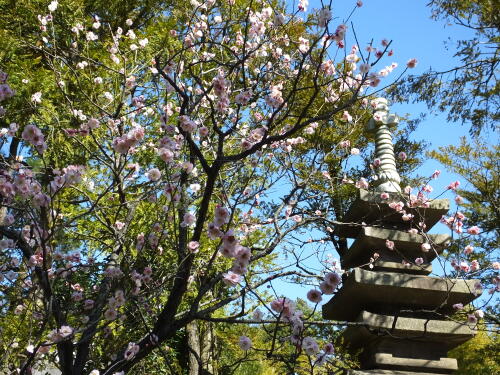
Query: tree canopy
(164, 165)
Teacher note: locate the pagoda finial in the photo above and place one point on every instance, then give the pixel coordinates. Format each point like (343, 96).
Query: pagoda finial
(387, 176)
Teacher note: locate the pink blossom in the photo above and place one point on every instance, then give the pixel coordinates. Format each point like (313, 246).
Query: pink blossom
(242, 98)
(458, 306)
(473, 230)
(354, 151)
(242, 254)
(402, 155)
(362, 183)
(411, 63)
(324, 16)
(166, 155)
(193, 246)
(333, 279)
(345, 144)
(464, 266)
(407, 217)
(41, 200)
(303, 4)
(459, 199)
(389, 244)
(314, 296)
(245, 343)
(436, 174)
(239, 267)
(310, 345)
(303, 45)
(147, 271)
(203, 131)
(471, 318)
(384, 196)
(328, 67)
(283, 305)
(119, 225)
(427, 188)
(231, 279)
(327, 288)
(187, 124)
(153, 174)
(188, 219)
(221, 216)
(364, 68)
(328, 348)
(60, 334)
(474, 265)
(398, 206)
(426, 247)
(419, 261)
(346, 117)
(275, 98)
(131, 351)
(214, 231)
(257, 315)
(454, 185)
(468, 249)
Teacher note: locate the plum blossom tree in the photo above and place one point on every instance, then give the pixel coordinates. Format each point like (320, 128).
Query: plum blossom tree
(153, 182)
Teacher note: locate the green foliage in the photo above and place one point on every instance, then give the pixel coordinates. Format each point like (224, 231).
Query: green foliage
(479, 356)
(479, 164)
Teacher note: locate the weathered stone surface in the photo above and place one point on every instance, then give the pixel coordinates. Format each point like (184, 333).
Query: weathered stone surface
(389, 362)
(371, 209)
(447, 333)
(399, 267)
(392, 292)
(407, 246)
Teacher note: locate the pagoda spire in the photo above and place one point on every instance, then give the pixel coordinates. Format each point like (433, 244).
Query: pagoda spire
(388, 179)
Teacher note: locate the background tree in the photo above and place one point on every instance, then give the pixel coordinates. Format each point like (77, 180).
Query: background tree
(468, 92)
(478, 163)
(478, 356)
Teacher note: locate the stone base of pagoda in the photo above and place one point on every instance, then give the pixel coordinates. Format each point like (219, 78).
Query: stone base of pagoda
(405, 344)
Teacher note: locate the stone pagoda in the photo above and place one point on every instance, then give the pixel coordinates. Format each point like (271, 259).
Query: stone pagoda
(399, 309)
